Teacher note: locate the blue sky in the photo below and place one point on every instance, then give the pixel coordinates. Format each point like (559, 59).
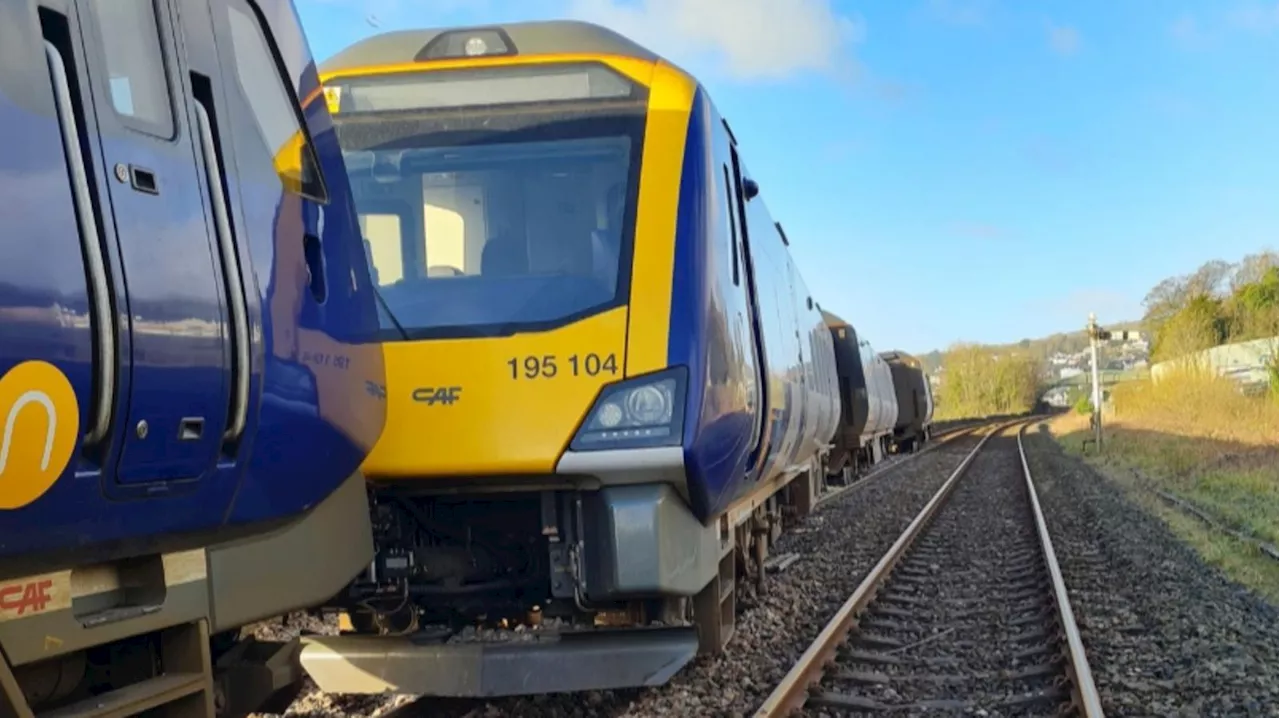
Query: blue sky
(965, 169)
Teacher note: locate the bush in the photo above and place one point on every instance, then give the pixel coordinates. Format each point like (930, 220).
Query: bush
(978, 381)
(1083, 404)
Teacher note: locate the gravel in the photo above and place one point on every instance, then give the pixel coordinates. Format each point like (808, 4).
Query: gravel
(837, 545)
(1165, 633)
(966, 620)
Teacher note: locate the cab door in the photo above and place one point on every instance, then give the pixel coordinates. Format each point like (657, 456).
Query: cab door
(184, 348)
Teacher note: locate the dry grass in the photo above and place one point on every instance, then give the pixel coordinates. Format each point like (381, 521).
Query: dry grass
(1197, 437)
(1198, 404)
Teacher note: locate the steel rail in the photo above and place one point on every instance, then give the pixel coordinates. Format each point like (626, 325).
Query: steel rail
(792, 692)
(940, 440)
(1084, 692)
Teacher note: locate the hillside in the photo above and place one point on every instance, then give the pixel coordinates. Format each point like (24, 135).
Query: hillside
(1039, 349)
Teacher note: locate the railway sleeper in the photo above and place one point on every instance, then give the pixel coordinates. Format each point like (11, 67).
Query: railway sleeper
(889, 625)
(870, 657)
(877, 641)
(891, 612)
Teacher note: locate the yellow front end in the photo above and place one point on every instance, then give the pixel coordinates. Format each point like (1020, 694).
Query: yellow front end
(509, 404)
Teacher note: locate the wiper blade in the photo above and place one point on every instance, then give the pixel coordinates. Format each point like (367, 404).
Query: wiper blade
(377, 292)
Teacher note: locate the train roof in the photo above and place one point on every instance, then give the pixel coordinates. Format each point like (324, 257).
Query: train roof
(517, 38)
(833, 321)
(900, 357)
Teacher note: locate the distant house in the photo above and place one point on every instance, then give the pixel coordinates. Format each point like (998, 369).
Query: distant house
(1068, 372)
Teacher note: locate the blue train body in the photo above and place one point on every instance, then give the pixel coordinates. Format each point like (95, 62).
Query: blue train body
(764, 399)
(163, 471)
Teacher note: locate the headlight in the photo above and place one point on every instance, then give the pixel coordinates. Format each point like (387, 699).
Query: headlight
(639, 412)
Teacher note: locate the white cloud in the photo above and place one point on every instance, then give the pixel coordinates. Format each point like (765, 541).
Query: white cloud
(749, 39)
(1063, 39)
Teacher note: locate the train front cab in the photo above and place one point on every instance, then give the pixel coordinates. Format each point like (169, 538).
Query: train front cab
(586, 424)
(187, 379)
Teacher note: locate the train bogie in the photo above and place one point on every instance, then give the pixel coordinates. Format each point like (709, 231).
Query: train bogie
(608, 383)
(185, 317)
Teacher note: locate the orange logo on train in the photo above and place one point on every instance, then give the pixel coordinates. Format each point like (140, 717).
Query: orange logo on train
(39, 423)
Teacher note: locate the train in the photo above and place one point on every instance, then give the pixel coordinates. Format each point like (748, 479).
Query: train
(190, 369)
(608, 386)
(868, 403)
(914, 397)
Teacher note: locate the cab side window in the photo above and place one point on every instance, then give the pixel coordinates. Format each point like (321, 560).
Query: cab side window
(274, 105)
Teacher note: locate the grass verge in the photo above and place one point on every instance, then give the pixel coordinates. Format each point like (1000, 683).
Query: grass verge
(1197, 438)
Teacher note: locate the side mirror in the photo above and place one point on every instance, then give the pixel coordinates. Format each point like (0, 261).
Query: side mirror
(750, 189)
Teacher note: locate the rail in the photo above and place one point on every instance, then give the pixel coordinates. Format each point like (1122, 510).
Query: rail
(940, 439)
(1085, 693)
(792, 693)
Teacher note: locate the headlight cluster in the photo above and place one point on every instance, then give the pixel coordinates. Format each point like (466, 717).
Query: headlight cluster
(644, 411)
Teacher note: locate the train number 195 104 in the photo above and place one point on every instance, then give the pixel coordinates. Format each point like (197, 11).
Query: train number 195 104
(547, 366)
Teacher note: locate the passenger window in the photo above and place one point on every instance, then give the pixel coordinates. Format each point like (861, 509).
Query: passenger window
(274, 105)
(733, 224)
(135, 64)
(382, 241)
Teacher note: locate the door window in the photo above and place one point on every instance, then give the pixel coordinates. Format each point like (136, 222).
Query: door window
(135, 64)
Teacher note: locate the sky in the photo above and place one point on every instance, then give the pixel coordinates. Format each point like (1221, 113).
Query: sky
(964, 170)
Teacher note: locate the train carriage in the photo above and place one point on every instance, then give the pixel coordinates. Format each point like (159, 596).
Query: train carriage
(914, 393)
(189, 378)
(607, 381)
(869, 406)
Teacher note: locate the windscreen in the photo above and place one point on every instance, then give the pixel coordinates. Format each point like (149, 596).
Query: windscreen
(488, 219)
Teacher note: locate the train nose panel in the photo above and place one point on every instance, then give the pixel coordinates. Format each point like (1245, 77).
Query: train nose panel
(554, 663)
(494, 405)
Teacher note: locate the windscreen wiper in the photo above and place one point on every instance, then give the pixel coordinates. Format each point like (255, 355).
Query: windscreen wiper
(377, 292)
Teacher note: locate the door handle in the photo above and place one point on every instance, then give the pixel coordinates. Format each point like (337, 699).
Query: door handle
(102, 317)
(239, 411)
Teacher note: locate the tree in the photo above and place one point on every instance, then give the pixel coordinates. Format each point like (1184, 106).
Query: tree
(1209, 280)
(1254, 268)
(982, 381)
(1253, 310)
(1197, 326)
(1163, 301)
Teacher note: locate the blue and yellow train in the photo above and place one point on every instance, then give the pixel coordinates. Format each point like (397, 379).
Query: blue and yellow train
(607, 383)
(189, 373)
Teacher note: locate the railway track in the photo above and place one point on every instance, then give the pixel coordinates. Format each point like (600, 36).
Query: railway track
(966, 612)
(939, 440)
(939, 456)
